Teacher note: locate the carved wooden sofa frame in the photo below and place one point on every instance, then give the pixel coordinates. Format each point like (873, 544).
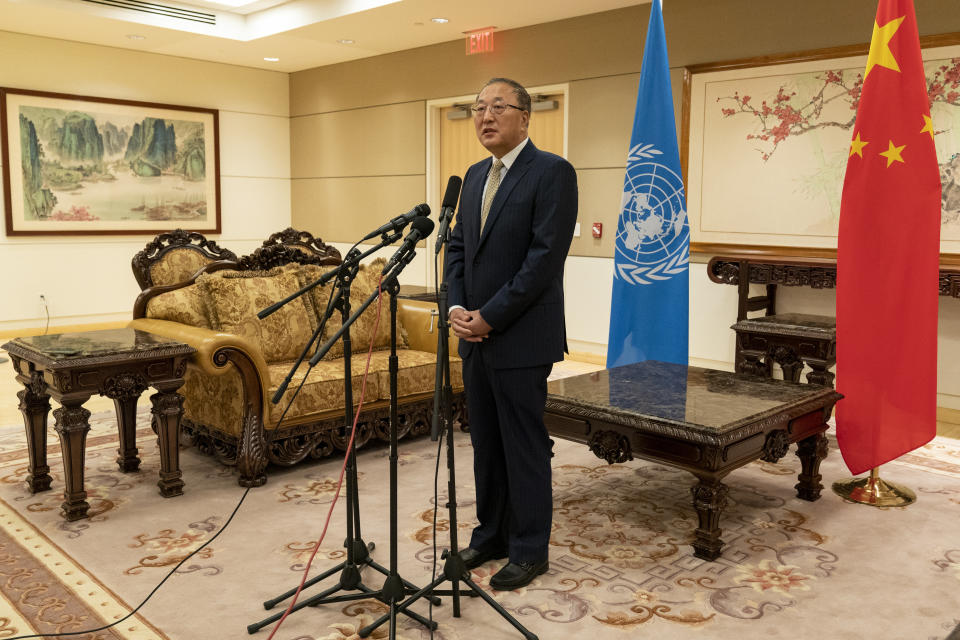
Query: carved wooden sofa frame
(315, 436)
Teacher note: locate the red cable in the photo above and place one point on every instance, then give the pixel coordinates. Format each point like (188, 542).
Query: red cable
(353, 433)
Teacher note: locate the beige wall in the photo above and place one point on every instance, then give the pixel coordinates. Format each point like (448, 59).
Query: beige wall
(88, 279)
(598, 57)
(358, 127)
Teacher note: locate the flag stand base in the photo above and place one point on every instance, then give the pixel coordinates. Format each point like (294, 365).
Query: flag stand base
(874, 491)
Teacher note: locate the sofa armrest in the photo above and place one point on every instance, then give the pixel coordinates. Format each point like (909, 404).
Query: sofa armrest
(215, 350)
(206, 341)
(419, 319)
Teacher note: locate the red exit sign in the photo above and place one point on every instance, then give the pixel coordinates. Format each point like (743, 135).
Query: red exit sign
(480, 42)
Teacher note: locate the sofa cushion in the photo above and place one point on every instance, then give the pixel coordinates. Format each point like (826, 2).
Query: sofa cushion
(318, 297)
(366, 282)
(185, 306)
(234, 297)
(416, 372)
(323, 390)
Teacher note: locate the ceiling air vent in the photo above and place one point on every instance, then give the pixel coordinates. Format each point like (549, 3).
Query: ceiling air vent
(159, 9)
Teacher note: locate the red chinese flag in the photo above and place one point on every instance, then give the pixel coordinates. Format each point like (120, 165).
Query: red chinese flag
(888, 255)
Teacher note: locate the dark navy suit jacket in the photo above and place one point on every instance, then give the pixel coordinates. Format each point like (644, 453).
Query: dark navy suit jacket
(513, 271)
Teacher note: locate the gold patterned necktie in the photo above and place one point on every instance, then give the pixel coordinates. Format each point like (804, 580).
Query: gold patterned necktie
(492, 187)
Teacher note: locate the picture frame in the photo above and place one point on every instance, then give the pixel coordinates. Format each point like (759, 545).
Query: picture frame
(85, 165)
(765, 180)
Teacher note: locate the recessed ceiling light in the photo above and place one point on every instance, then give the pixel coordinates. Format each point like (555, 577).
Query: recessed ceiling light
(136, 36)
(271, 59)
(345, 41)
(439, 20)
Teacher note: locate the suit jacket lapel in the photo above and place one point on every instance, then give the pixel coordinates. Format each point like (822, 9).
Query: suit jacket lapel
(514, 174)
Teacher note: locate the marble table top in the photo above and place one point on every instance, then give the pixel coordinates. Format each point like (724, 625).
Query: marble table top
(85, 345)
(662, 397)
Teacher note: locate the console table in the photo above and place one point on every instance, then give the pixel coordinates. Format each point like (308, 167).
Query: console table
(117, 363)
(742, 270)
(704, 421)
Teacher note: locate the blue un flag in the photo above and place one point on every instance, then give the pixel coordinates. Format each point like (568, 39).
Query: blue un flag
(650, 306)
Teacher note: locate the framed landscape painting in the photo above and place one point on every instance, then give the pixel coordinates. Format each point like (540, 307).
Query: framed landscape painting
(766, 143)
(81, 165)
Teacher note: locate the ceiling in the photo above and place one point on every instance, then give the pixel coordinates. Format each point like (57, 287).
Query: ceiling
(301, 33)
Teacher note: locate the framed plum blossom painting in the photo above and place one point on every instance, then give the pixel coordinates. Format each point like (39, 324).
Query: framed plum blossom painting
(81, 165)
(766, 141)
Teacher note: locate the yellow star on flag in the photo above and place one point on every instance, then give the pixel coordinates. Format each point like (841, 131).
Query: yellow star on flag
(927, 126)
(857, 145)
(880, 53)
(892, 154)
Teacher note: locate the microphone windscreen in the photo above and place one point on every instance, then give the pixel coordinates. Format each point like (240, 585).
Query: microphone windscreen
(423, 226)
(452, 193)
(422, 209)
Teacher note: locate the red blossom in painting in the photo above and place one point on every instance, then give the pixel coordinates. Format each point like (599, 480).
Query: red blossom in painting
(779, 117)
(76, 214)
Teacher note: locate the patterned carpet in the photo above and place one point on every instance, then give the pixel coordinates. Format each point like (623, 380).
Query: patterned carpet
(621, 563)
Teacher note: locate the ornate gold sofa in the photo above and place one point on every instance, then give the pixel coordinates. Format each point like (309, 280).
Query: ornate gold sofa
(205, 296)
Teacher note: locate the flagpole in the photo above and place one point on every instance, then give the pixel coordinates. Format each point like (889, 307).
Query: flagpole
(874, 491)
(892, 200)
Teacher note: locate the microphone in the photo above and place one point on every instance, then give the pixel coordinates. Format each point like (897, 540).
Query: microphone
(450, 198)
(421, 229)
(400, 222)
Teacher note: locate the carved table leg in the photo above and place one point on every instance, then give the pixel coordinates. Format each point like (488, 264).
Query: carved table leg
(811, 452)
(788, 360)
(167, 411)
(792, 371)
(820, 373)
(709, 499)
(127, 458)
(125, 388)
(35, 406)
(72, 424)
(751, 363)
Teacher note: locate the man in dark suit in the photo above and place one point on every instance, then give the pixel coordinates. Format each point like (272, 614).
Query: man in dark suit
(504, 271)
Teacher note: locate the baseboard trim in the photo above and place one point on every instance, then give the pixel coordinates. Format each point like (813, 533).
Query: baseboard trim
(586, 356)
(950, 416)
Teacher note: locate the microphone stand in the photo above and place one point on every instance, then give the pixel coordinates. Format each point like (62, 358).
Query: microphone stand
(454, 569)
(394, 587)
(349, 265)
(357, 550)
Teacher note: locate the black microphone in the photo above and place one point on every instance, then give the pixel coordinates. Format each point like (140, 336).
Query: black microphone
(400, 222)
(450, 198)
(421, 229)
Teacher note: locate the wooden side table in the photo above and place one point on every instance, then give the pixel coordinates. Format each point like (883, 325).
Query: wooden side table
(117, 363)
(791, 340)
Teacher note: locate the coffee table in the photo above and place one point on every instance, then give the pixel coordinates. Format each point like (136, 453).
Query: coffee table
(117, 363)
(704, 421)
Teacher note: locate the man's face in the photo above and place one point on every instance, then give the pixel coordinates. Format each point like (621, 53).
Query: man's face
(500, 133)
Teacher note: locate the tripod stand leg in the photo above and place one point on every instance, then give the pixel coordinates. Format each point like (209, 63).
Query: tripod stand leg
(499, 609)
(270, 604)
(256, 626)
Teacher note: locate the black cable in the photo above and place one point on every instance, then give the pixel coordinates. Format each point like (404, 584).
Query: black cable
(46, 308)
(192, 553)
(155, 589)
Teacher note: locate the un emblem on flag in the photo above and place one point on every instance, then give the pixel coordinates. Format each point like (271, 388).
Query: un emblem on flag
(653, 237)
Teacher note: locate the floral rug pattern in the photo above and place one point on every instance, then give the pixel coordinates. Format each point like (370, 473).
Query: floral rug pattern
(621, 558)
